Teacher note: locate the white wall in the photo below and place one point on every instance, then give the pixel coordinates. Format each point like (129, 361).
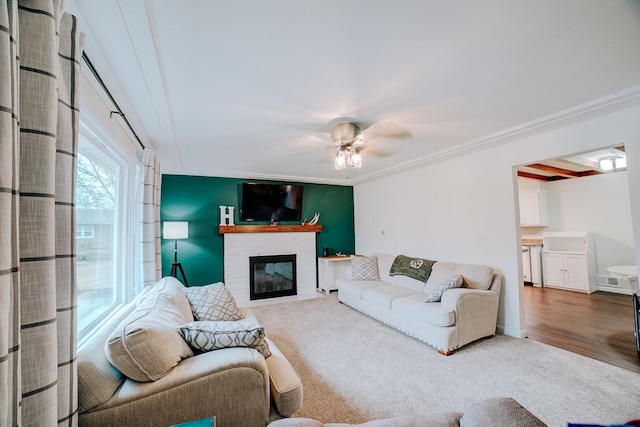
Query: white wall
(464, 209)
(599, 204)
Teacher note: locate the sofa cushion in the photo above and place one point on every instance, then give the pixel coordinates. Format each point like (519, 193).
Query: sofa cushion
(385, 261)
(384, 295)
(145, 346)
(408, 282)
(416, 268)
(209, 335)
(212, 302)
(474, 276)
(355, 288)
(414, 307)
(451, 283)
(499, 412)
(438, 419)
(364, 268)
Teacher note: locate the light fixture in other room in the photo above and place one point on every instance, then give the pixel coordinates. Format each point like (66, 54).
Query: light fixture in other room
(612, 163)
(620, 163)
(176, 230)
(605, 164)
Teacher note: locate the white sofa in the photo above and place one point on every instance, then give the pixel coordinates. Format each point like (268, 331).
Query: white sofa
(237, 385)
(463, 315)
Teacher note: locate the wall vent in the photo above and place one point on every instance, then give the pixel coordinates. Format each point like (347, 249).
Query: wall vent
(604, 280)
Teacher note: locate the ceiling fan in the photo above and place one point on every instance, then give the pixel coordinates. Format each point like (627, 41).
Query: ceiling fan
(351, 137)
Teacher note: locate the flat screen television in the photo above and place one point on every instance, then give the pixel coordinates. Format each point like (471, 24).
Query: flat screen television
(271, 202)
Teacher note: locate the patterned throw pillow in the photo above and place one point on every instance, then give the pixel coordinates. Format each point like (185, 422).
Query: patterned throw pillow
(436, 295)
(209, 336)
(364, 268)
(212, 302)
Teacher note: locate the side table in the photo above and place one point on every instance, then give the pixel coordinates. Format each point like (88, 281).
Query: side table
(329, 269)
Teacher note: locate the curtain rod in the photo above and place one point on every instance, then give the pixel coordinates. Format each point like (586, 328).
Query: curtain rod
(104, 87)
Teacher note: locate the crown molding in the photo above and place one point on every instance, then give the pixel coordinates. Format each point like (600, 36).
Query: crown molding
(263, 177)
(608, 104)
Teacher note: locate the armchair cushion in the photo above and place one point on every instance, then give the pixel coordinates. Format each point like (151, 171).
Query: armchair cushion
(145, 346)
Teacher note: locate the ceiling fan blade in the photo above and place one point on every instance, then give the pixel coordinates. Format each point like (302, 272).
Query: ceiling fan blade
(376, 152)
(387, 131)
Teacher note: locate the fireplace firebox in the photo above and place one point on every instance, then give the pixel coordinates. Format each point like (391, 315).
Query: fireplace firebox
(272, 276)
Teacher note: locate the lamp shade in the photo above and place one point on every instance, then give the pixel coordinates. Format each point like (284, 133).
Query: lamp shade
(175, 230)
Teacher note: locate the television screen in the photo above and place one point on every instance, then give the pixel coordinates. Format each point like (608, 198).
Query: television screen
(271, 202)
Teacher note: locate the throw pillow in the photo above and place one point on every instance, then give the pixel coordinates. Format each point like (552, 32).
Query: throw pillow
(436, 295)
(416, 268)
(145, 345)
(364, 268)
(213, 302)
(209, 336)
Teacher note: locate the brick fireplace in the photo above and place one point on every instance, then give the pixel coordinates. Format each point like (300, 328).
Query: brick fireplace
(241, 243)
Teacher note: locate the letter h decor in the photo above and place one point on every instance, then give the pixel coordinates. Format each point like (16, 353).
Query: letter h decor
(226, 215)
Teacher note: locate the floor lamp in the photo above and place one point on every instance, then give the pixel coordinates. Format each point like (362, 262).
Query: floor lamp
(176, 230)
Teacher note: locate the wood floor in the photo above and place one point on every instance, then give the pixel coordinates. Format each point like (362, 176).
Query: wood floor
(598, 325)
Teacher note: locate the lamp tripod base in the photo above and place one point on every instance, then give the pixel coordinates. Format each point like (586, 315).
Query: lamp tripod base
(174, 271)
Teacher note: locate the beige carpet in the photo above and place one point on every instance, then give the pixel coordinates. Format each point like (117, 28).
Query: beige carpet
(354, 369)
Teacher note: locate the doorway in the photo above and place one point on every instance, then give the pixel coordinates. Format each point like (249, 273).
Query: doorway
(576, 194)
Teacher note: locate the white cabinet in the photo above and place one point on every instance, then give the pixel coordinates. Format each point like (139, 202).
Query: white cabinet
(568, 261)
(533, 208)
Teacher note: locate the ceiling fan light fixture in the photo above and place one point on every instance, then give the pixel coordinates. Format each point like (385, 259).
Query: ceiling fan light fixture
(341, 159)
(345, 132)
(355, 160)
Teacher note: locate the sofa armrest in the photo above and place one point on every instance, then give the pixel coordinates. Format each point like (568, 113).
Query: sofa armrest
(476, 312)
(286, 386)
(230, 383)
(454, 299)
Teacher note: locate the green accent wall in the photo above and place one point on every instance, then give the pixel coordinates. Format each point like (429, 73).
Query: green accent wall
(197, 199)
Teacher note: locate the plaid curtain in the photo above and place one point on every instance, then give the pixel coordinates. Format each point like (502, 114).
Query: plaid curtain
(39, 65)
(151, 256)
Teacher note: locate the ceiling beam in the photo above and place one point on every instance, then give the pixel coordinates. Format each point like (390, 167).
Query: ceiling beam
(563, 172)
(539, 177)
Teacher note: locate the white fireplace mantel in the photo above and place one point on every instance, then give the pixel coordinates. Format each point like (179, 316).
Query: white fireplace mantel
(241, 242)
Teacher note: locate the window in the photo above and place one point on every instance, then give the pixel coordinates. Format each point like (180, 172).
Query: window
(105, 215)
(84, 231)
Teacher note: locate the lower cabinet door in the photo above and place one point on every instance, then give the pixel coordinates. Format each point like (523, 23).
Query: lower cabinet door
(577, 276)
(553, 270)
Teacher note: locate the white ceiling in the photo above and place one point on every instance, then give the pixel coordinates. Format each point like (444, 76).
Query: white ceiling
(242, 89)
